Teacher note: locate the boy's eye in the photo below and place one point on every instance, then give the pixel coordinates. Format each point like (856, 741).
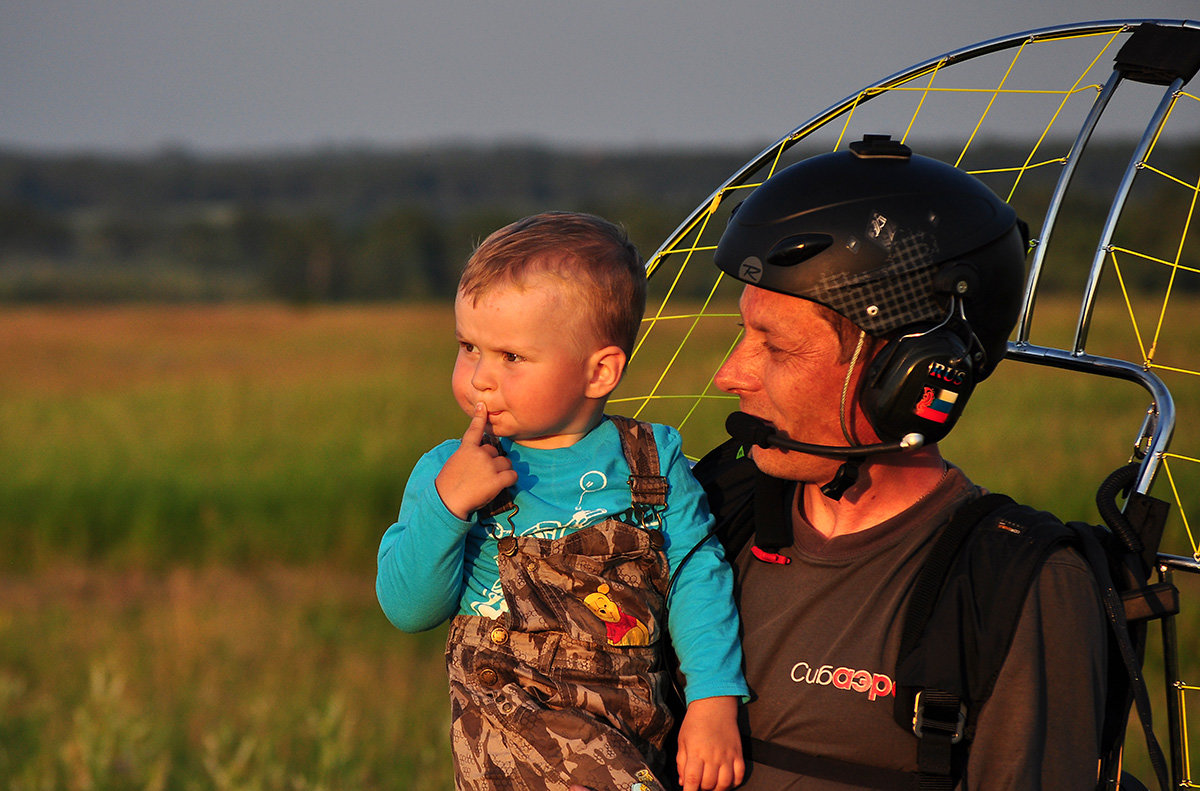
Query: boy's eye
(466, 347)
(511, 358)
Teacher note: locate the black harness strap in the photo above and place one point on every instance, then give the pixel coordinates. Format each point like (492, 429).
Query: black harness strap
(826, 768)
(938, 716)
(937, 566)
(1115, 611)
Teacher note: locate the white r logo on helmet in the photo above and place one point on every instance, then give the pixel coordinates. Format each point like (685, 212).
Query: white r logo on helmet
(751, 270)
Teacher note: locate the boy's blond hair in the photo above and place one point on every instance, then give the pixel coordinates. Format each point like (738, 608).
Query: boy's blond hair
(600, 268)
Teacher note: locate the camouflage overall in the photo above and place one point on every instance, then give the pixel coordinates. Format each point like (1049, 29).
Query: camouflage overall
(568, 687)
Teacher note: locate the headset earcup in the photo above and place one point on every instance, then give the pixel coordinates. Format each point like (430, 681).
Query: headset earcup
(918, 383)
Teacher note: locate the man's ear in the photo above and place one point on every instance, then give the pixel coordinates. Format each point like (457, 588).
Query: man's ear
(607, 366)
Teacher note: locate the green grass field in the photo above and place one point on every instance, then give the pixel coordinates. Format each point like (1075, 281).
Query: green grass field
(190, 502)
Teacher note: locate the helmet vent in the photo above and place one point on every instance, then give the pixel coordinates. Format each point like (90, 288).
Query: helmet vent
(798, 249)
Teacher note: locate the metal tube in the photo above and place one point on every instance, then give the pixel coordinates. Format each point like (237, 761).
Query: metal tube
(1115, 209)
(1171, 683)
(1117, 369)
(1056, 199)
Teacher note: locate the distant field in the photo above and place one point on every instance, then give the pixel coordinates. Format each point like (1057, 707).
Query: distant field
(159, 435)
(190, 502)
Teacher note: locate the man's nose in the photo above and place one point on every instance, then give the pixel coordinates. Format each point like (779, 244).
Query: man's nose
(734, 374)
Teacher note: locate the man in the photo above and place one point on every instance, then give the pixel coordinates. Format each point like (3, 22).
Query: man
(880, 288)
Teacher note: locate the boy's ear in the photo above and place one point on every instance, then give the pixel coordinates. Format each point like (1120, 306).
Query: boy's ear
(607, 366)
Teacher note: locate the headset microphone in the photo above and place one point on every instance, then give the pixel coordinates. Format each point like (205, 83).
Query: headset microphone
(755, 431)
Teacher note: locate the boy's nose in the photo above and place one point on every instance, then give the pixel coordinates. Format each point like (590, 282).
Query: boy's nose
(483, 379)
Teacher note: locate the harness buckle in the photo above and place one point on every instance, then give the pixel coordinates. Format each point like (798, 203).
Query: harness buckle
(939, 713)
(649, 517)
(649, 489)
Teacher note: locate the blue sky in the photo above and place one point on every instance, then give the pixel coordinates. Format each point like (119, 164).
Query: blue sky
(232, 75)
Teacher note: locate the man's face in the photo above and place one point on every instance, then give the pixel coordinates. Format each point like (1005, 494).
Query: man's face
(787, 370)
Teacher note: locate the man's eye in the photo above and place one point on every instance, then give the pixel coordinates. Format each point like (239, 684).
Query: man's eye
(466, 347)
(511, 358)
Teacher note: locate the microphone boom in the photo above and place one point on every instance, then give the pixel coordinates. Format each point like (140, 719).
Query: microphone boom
(755, 431)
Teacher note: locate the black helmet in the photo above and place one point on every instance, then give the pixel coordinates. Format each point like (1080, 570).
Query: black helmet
(886, 239)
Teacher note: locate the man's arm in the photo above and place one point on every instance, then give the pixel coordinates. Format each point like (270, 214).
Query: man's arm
(1041, 727)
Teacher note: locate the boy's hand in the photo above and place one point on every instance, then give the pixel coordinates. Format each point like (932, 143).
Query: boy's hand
(475, 473)
(710, 747)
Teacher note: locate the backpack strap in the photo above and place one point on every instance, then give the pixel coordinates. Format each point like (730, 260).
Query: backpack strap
(750, 507)
(729, 479)
(937, 566)
(823, 767)
(959, 627)
(1092, 546)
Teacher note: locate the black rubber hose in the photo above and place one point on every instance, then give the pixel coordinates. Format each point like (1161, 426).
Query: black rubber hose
(1120, 480)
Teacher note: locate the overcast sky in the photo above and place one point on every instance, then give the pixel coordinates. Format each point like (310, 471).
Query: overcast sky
(237, 75)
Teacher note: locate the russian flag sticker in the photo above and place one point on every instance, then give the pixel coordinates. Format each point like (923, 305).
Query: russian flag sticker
(936, 405)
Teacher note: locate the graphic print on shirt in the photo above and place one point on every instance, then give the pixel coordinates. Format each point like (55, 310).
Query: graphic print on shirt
(873, 685)
(493, 606)
(621, 627)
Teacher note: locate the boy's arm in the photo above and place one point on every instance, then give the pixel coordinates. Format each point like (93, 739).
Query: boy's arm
(420, 565)
(420, 574)
(710, 747)
(702, 618)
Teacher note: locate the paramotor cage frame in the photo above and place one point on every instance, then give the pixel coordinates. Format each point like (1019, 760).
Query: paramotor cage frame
(1158, 425)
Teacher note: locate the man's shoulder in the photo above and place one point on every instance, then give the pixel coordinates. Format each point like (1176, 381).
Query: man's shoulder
(726, 467)
(1008, 542)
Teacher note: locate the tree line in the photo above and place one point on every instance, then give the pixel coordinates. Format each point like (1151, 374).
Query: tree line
(318, 226)
(325, 225)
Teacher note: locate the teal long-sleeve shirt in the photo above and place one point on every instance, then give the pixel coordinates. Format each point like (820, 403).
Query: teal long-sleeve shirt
(433, 565)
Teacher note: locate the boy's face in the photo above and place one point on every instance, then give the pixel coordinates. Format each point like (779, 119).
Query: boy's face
(525, 353)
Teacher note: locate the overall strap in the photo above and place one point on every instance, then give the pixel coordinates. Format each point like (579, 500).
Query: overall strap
(646, 484)
(648, 488)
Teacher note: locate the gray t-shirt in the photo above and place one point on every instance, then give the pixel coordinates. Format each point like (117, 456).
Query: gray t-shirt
(821, 636)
